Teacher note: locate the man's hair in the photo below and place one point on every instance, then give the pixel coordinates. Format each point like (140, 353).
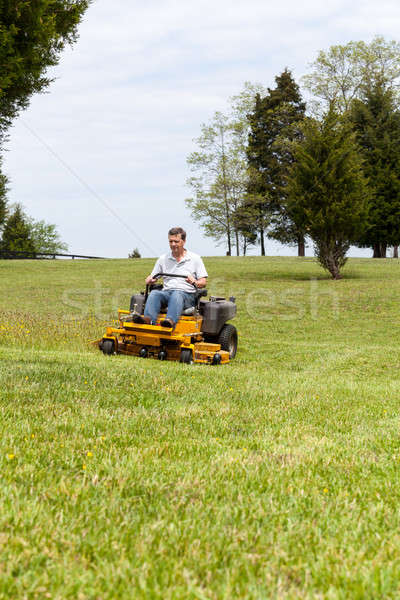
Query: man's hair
(178, 231)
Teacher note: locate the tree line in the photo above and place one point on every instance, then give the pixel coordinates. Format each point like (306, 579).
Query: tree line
(328, 171)
(32, 36)
(22, 234)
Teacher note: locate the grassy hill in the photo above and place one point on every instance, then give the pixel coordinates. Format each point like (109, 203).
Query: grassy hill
(276, 476)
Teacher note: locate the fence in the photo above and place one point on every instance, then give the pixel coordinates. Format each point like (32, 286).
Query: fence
(42, 255)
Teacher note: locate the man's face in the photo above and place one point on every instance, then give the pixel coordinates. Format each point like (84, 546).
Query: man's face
(176, 243)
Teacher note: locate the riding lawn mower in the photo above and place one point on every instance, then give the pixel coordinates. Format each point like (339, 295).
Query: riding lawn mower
(202, 334)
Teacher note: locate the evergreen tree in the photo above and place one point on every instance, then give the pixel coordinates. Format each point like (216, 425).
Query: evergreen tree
(17, 234)
(3, 200)
(274, 119)
(376, 121)
(327, 190)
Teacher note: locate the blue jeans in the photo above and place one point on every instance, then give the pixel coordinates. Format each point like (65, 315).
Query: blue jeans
(176, 300)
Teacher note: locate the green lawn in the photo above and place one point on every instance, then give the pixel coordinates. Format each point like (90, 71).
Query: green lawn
(276, 476)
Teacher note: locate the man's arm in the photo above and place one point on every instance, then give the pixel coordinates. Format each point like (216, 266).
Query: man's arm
(199, 279)
(157, 269)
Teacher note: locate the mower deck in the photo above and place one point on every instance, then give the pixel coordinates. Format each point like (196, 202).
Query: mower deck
(185, 343)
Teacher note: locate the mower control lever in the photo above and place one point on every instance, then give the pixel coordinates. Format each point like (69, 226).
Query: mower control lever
(158, 275)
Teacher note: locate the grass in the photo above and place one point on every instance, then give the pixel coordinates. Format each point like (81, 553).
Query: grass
(276, 476)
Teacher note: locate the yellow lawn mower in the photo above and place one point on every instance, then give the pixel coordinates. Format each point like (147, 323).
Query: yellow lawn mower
(202, 334)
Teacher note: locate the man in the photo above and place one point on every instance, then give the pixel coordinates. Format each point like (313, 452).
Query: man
(178, 293)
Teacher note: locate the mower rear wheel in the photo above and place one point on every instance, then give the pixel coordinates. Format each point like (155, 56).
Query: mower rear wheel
(186, 356)
(228, 339)
(107, 346)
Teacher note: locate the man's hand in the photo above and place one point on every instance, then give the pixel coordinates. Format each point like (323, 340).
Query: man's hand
(191, 279)
(199, 283)
(150, 280)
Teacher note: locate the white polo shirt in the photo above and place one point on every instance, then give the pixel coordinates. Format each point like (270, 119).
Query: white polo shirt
(190, 264)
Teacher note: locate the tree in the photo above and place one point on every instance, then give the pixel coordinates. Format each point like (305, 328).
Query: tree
(327, 189)
(251, 217)
(341, 74)
(134, 254)
(45, 237)
(217, 184)
(274, 120)
(376, 120)
(17, 234)
(3, 198)
(220, 172)
(23, 234)
(32, 35)
(363, 80)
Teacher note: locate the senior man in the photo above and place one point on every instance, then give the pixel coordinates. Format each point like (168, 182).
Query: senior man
(178, 293)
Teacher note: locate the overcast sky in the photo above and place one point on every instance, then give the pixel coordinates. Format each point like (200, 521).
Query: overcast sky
(103, 153)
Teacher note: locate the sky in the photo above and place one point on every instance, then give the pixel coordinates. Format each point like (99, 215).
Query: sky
(102, 154)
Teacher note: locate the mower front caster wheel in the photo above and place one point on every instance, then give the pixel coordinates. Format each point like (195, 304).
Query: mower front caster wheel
(186, 356)
(216, 359)
(107, 346)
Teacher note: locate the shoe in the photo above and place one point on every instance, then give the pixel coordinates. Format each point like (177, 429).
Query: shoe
(128, 318)
(167, 323)
(141, 319)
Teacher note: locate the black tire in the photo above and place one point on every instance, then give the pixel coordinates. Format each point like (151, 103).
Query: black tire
(228, 339)
(107, 346)
(186, 356)
(216, 359)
